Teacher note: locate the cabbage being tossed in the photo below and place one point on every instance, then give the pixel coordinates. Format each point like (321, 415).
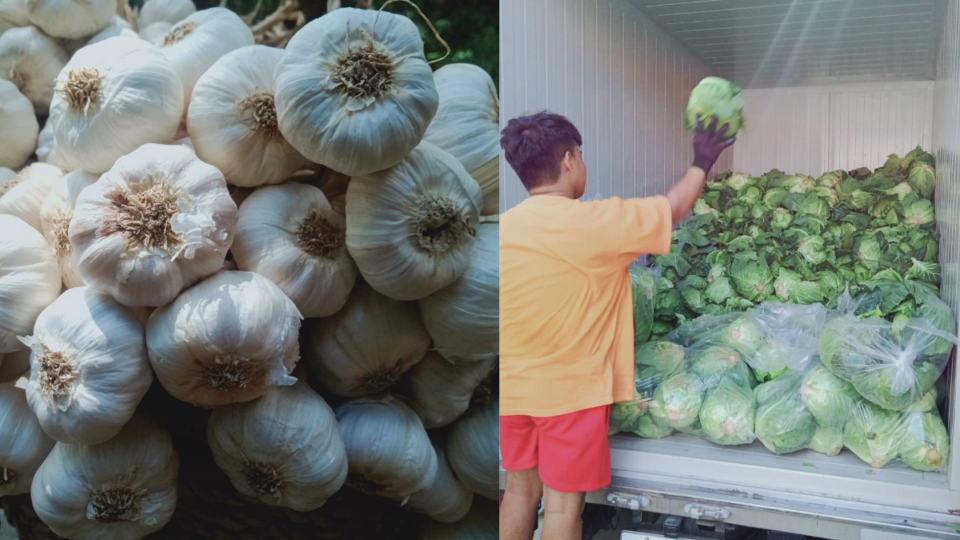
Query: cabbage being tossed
(715, 98)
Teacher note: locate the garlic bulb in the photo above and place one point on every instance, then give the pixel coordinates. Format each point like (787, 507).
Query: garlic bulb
(123, 489)
(388, 451)
(194, 44)
(23, 444)
(15, 365)
(440, 390)
(354, 90)
(154, 33)
(464, 318)
(233, 121)
(447, 499)
(226, 340)
(168, 11)
(473, 446)
(284, 448)
(468, 126)
(365, 347)
(29, 280)
(23, 197)
(111, 98)
(481, 523)
(31, 60)
(55, 216)
(157, 223)
(69, 18)
(291, 235)
(13, 14)
(47, 149)
(18, 126)
(411, 228)
(88, 368)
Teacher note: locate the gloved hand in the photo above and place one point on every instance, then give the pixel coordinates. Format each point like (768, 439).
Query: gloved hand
(708, 144)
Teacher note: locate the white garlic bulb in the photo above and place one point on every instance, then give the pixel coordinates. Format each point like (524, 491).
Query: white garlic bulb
(411, 228)
(123, 489)
(365, 347)
(47, 149)
(13, 14)
(29, 280)
(233, 120)
(88, 368)
(291, 235)
(464, 318)
(481, 523)
(23, 197)
(284, 449)
(23, 444)
(111, 98)
(159, 221)
(468, 126)
(155, 33)
(473, 446)
(354, 90)
(69, 18)
(15, 365)
(55, 216)
(194, 44)
(440, 390)
(388, 451)
(447, 500)
(227, 339)
(168, 11)
(31, 60)
(18, 126)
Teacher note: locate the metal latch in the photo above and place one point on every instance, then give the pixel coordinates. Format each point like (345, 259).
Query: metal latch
(700, 512)
(626, 500)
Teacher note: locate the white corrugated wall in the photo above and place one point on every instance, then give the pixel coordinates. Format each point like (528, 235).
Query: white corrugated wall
(946, 132)
(620, 80)
(815, 129)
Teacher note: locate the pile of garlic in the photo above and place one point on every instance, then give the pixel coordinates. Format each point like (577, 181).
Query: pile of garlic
(182, 204)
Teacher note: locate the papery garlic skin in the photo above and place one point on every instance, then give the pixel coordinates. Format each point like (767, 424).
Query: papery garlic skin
(18, 126)
(472, 448)
(440, 390)
(13, 14)
(15, 365)
(123, 489)
(411, 228)
(148, 262)
(233, 120)
(284, 449)
(88, 368)
(29, 280)
(47, 149)
(31, 60)
(118, 28)
(480, 523)
(226, 340)
(388, 450)
(447, 500)
(464, 318)
(69, 18)
(23, 444)
(55, 216)
(24, 196)
(467, 125)
(291, 235)
(168, 11)
(339, 115)
(154, 33)
(365, 347)
(111, 98)
(194, 44)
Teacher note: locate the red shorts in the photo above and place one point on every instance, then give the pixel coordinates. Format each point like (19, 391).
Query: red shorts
(571, 451)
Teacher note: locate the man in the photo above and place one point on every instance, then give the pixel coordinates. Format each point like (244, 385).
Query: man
(566, 320)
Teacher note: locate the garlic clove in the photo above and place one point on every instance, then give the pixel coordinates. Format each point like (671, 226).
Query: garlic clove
(29, 280)
(70, 19)
(55, 216)
(291, 235)
(228, 339)
(18, 126)
(23, 444)
(31, 60)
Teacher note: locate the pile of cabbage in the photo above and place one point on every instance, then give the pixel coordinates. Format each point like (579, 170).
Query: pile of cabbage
(801, 240)
(800, 377)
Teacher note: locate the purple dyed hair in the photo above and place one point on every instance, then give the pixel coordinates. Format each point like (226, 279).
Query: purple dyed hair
(535, 145)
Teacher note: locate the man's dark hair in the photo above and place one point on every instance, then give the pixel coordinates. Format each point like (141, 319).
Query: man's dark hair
(535, 145)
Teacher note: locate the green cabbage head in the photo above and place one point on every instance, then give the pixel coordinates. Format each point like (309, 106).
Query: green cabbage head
(677, 401)
(715, 98)
(649, 428)
(873, 434)
(783, 424)
(827, 440)
(727, 416)
(712, 363)
(925, 445)
(923, 179)
(827, 397)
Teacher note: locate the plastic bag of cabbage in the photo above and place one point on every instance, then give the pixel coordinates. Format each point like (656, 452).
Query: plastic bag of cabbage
(644, 287)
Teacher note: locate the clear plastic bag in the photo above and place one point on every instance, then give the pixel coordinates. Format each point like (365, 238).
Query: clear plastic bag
(917, 437)
(644, 286)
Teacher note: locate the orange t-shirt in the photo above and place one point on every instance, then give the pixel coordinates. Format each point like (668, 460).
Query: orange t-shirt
(566, 319)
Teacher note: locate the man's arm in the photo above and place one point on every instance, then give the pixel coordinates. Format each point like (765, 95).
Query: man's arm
(708, 144)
